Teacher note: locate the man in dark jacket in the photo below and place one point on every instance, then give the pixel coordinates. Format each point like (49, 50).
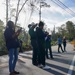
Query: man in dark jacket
(12, 44)
(34, 43)
(41, 44)
(48, 46)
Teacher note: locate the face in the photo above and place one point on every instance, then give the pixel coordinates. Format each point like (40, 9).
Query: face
(13, 26)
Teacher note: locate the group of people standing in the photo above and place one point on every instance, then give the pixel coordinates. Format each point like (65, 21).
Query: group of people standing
(41, 42)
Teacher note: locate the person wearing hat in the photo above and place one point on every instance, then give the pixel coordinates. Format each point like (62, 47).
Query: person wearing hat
(34, 43)
(41, 44)
(48, 46)
(12, 44)
(29, 26)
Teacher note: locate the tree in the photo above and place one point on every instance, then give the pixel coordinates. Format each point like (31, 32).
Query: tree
(2, 41)
(70, 29)
(53, 34)
(67, 30)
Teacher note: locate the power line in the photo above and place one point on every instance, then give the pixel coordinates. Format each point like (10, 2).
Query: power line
(66, 6)
(61, 7)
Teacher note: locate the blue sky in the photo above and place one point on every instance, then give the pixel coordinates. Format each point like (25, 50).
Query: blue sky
(51, 16)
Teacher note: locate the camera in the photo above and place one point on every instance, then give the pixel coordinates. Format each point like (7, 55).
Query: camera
(20, 30)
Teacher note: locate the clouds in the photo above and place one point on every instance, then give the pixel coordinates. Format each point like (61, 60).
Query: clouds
(56, 15)
(2, 10)
(52, 16)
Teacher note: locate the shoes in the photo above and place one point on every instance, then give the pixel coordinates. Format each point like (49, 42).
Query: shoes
(47, 57)
(12, 73)
(59, 52)
(65, 51)
(15, 72)
(40, 66)
(62, 51)
(35, 64)
(46, 67)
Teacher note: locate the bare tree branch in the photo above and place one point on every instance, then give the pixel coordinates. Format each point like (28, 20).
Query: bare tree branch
(17, 12)
(22, 6)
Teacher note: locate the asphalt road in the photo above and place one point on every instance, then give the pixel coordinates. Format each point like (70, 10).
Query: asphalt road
(62, 64)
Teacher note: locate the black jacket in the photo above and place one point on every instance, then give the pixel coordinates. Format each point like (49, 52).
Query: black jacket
(10, 41)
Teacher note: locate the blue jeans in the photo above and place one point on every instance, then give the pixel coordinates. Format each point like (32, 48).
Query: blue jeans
(13, 56)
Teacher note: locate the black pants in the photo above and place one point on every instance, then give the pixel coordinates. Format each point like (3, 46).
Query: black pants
(41, 55)
(21, 50)
(60, 46)
(35, 52)
(50, 52)
(64, 45)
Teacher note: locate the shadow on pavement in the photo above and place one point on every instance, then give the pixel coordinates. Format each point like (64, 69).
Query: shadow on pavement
(26, 57)
(56, 67)
(64, 61)
(27, 53)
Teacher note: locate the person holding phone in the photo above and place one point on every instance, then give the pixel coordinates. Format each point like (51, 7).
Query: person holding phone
(11, 39)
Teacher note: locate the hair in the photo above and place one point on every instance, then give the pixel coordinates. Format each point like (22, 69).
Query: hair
(29, 25)
(41, 23)
(10, 24)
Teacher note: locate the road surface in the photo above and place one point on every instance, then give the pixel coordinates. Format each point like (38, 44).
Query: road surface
(62, 64)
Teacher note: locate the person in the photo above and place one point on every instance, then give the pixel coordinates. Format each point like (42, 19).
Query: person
(48, 46)
(11, 39)
(59, 44)
(64, 43)
(20, 42)
(41, 44)
(34, 43)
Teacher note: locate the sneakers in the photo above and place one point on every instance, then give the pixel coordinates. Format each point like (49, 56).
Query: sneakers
(46, 67)
(43, 67)
(59, 52)
(65, 51)
(52, 58)
(40, 66)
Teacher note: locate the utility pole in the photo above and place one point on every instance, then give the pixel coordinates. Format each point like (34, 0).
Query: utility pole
(42, 4)
(40, 12)
(6, 11)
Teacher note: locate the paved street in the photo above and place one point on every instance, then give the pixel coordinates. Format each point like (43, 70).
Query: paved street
(62, 64)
